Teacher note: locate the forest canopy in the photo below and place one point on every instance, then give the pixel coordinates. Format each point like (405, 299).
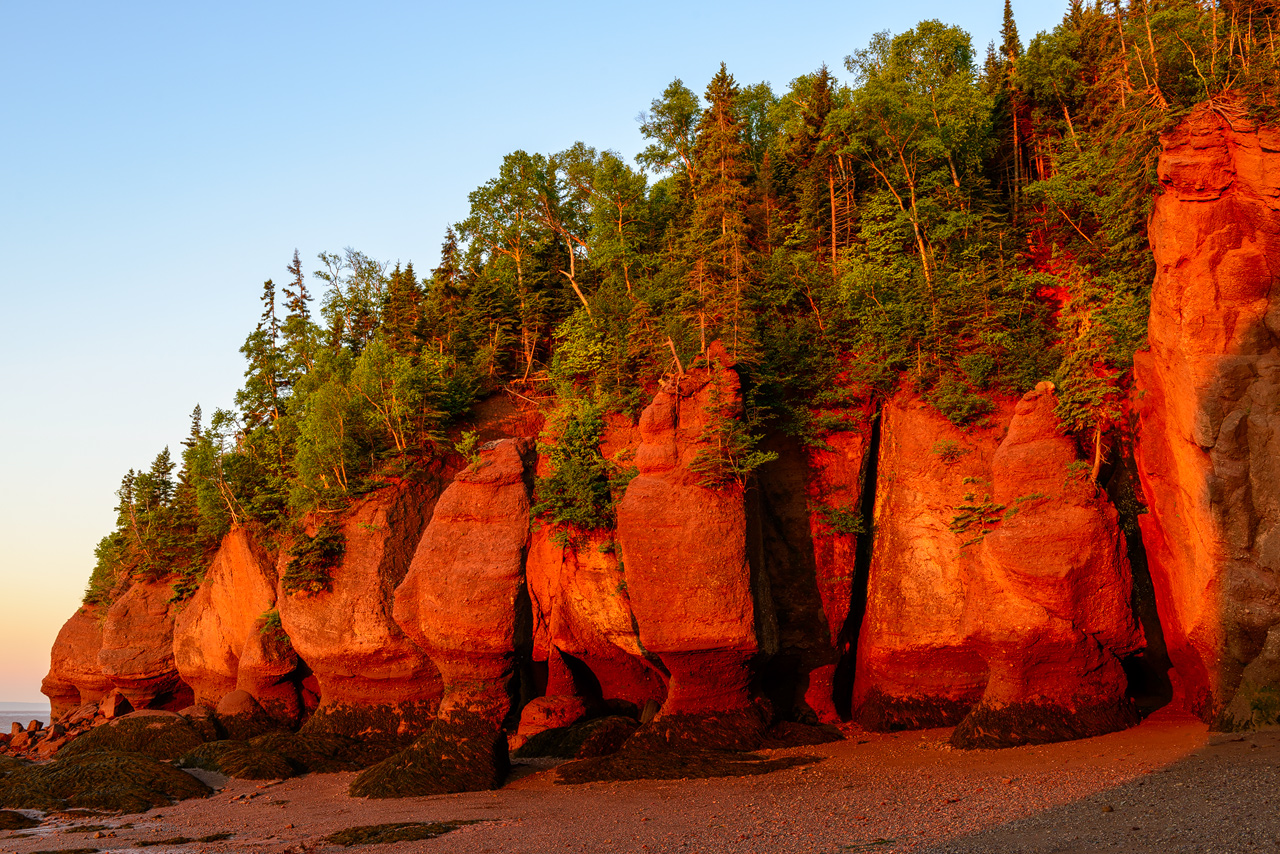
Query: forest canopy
(964, 226)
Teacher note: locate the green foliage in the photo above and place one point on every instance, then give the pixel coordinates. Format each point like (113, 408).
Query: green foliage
(312, 560)
(949, 450)
(845, 521)
(976, 516)
(580, 488)
(468, 446)
(271, 624)
(963, 232)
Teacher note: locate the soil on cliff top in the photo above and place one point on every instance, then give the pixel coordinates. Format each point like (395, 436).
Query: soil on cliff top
(1165, 786)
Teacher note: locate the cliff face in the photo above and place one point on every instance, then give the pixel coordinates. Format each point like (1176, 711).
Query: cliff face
(904, 572)
(685, 545)
(1207, 394)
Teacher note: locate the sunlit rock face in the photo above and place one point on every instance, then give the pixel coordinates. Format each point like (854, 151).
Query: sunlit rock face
(137, 647)
(74, 676)
(1054, 618)
(919, 663)
(215, 627)
(684, 542)
(464, 600)
(347, 635)
(1207, 396)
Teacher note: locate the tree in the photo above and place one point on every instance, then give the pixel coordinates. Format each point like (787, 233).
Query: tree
(721, 269)
(505, 220)
(671, 123)
(301, 335)
(918, 119)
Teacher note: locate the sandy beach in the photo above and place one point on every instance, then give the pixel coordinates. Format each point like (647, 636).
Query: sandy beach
(1165, 786)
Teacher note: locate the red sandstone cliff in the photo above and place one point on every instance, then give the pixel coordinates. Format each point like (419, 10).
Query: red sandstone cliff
(1206, 395)
(684, 544)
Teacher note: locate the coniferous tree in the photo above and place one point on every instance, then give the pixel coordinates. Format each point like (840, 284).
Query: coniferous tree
(721, 266)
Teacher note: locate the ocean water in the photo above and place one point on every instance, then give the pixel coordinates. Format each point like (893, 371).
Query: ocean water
(23, 713)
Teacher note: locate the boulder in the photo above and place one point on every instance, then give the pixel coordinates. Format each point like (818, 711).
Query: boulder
(1207, 395)
(464, 600)
(346, 634)
(682, 527)
(75, 678)
(137, 648)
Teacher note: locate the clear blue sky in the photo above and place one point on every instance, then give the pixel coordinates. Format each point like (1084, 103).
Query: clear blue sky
(158, 161)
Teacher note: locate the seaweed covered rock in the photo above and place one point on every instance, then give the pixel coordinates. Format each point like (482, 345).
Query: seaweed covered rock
(585, 740)
(382, 721)
(683, 531)
(1057, 587)
(137, 648)
(280, 755)
(464, 753)
(156, 734)
(1206, 396)
(918, 664)
(241, 717)
(10, 820)
(75, 677)
(101, 780)
(336, 602)
(464, 600)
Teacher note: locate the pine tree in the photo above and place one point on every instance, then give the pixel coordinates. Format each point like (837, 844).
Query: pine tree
(721, 267)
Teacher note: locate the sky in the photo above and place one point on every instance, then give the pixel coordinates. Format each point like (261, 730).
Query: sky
(159, 161)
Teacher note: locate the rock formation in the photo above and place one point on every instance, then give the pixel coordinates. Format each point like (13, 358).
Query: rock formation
(918, 662)
(683, 530)
(137, 648)
(218, 637)
(1052, 618)
(346, 634)
(1206, 395)
(75, 678)
(464, 601)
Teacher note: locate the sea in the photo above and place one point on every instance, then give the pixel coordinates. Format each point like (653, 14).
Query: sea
(23, 713)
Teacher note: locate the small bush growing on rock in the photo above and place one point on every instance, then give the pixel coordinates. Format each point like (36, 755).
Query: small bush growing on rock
(312, 559)
(105, 780)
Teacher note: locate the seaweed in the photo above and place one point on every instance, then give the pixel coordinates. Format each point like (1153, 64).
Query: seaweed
(383, 834)
(633, 764)
(792, 734)
(10, 820)
(279, 755)
(598, 737)
(1017, 724)
(156, 736)
(182, 840)
(106, 780)
(880, 712)
(742, 730)
(403, 721)
(467, 753)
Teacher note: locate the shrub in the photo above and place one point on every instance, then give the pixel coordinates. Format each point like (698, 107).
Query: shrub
(312, 559)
